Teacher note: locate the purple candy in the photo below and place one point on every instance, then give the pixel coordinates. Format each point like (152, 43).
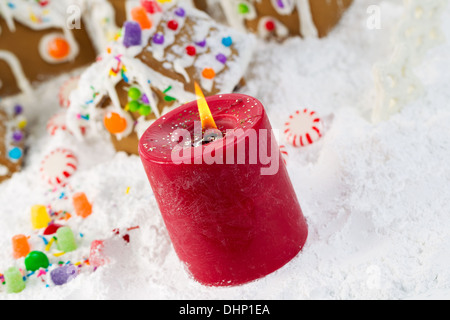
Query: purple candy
(158, 38)
(145, 99)
(18, 110)
(221, 58)
(132, 34)
(180, 12)
(201, 43)
(17, 136)
(63, 274)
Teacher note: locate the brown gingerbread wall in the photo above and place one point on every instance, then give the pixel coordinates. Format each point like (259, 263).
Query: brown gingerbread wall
(24, 44)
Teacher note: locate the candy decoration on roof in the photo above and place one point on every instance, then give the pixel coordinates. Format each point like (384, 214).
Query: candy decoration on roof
(303, 128)
(282, 18)
(132, 34)
(58, 166)
(136, 82)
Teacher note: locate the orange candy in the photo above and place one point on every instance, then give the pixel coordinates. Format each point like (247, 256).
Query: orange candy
(114, 123)
(58, 48)
(139, 15)
(21, 247)
(81, 204)
(208, 73)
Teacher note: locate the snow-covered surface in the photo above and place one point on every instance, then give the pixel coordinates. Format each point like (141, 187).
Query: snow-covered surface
(375, 196)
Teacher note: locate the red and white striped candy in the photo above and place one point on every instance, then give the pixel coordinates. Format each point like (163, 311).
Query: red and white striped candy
(284, 154)
(57, 122)
(65, 91)
(303, 128)
(58, 166)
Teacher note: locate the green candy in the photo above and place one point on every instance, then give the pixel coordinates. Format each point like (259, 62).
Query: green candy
(134, 93)
(243, 8)
(145, 110)
(133, 106)
(36, 260)
(14, 280)
(66, 239)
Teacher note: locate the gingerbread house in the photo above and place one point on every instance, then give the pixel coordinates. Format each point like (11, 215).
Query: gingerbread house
(40, 39)
(12, 140)
(279, 19)
(152, 67)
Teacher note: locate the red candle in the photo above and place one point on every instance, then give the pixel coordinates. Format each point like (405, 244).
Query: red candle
(229, 205)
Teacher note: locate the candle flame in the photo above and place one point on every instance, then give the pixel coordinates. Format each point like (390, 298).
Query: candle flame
(203, 109)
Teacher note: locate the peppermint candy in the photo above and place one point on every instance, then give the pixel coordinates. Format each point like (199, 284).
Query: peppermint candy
(58, 166)
(284, 154)
(66, 90)
(57, 122)
(303, 128)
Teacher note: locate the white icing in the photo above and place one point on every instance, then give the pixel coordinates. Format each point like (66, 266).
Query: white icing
(4, 171)
(307, 26)
(100, 19)
(14, 63)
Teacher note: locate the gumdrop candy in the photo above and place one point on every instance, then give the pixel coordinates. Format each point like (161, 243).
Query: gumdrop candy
(82, 206)
(139, 15)
(64, 274)
(36, 260)
(151, 6)
(14, 280)
(51, 229)
(97, 257)
(66, 240)
(132, 34)
(40, 217)
(21, 247)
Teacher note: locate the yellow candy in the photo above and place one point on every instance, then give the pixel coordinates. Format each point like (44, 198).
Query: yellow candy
(40, 217)
(22, 124)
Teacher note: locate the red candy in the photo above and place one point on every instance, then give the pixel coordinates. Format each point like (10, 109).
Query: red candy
(51, 229)
(191, 51)
(97, 257)
(151, 6)
(173, 25)
(270, 25)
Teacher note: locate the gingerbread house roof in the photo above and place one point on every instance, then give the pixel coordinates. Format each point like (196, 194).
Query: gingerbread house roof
(282, 18)
(162, 63)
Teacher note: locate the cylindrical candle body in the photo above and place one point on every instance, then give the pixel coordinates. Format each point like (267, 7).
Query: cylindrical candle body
(229, 223)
